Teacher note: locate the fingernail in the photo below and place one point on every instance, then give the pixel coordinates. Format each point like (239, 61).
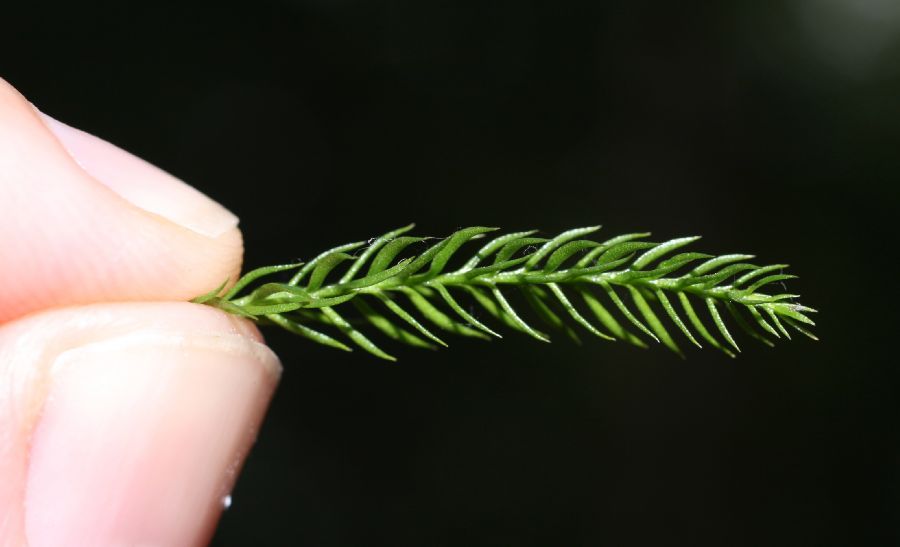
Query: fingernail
(141, 438)
(142, 183)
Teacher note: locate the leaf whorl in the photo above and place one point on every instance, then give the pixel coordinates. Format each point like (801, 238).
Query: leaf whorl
(627, 285)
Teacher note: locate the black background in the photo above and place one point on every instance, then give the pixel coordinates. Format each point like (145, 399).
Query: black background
(766, 127)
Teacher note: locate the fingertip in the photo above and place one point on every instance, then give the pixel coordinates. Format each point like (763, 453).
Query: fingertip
(82, 221)
(142, 432)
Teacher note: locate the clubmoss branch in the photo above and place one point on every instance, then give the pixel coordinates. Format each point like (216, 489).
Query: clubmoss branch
(622, 283)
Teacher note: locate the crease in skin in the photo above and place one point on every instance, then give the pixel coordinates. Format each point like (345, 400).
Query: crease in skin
(228, 343)
(32, 348)
(231, 343)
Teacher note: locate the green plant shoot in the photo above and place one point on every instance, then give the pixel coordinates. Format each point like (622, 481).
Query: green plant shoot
(625, 288)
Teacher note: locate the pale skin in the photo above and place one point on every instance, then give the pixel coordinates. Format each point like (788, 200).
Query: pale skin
(125, 412)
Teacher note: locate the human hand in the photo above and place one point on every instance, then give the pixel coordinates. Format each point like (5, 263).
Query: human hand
(125, 412)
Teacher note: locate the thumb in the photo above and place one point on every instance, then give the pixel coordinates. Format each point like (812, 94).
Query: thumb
(83, 221)
(126, 424)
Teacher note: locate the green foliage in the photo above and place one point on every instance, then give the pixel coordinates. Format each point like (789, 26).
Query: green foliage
(627, 285)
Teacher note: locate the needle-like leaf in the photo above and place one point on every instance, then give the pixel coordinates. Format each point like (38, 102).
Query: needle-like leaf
(511, 313)
(673, 315)
(323, 268)
(557, 241)
(436, 316)
(717, 319)
(306, 332)
(372, 249)
(493, 246)
(358, 337)
(567, 305)
(609, 321)
(466, 316)
(611, 293)
(655, 324)
(389, 328)
(403, 314)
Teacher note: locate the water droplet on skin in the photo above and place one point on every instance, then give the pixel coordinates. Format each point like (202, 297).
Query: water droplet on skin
(226, 502)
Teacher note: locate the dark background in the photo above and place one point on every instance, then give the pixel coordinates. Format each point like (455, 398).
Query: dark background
(766, 127)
